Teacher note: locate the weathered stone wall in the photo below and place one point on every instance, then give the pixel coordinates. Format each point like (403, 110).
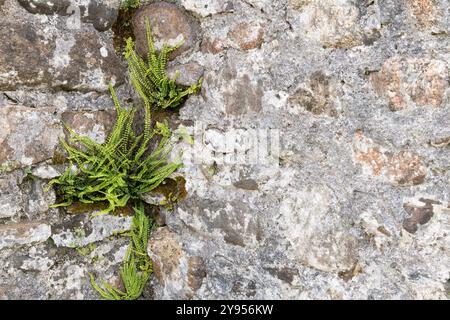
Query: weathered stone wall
(353, 98)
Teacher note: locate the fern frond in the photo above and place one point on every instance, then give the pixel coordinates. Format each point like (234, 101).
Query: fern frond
(150, 77)
(136, 268)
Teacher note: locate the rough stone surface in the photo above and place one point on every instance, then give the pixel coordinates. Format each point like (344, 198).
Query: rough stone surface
(169, 24)
(318, 96)
(171, 263)
(23, 233)
(27, 135)
(319, 167)
(95, 125)
(412, 82)
(337, 24)
(101, 13)
(54, 69)
(45, 7)
(85, 230)
(54, 51)
(355, 207)
(188, 74)
(10, 195)
(206, 8)
(401, 168)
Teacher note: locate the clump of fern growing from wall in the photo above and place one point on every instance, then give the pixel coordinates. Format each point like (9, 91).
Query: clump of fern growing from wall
(119, 170)
(150, 78)
(128, 164)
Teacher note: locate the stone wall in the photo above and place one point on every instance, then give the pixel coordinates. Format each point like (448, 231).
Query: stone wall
(351, 200)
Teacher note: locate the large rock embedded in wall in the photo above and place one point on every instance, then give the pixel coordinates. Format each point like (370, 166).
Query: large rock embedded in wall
(168, 23)
(38, 53)
(407, 81)
(336, 24)
(27, 135)
(101, 13)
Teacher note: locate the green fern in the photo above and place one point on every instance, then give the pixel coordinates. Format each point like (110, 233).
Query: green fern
(119, 170)
(136, 268)
(125, 167)
(130, 4)
(150, 78)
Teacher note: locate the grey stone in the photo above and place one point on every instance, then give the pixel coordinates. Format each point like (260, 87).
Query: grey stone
(17, 234)
(96, 125)
(153, 198)
(327, 77)
(343, 25)
(46, 171)
(189, 73)
(27, 135)
(39, 199)
(10, 195)
(89, 230)
(206, 8)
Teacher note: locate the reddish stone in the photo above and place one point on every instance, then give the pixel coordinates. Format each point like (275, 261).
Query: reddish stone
(403, 168)
(425, 11)
(246, 35)
(409, 82)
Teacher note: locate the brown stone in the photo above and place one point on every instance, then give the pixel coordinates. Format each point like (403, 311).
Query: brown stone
(419, 215)
(424, 11)
(246, 184)
(440, 142)
(172, 265)
(373, 158)
(319, 95)
(169, 24)
(347, 275)
(213, 46)
(243, 95)
(406, 82)
(165, 252)
(384, 231)
(283, 273)
(196, 272)
(247, 35)
(82, 61)
(298, 4)
(403, 168)
(406, 168)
